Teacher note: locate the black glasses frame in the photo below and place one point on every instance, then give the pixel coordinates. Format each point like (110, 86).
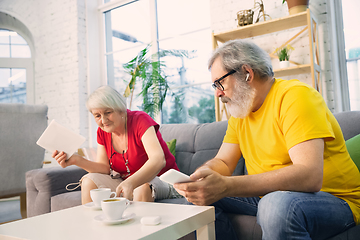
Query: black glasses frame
(217, 84)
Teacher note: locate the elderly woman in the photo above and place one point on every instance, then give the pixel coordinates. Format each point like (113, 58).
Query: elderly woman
(131, 153)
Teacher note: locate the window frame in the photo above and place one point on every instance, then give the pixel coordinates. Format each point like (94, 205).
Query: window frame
(106, 7)
(25, 63)
(338, 55)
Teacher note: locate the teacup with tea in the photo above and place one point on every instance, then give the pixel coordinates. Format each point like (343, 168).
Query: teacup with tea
(114, 208)
(97, 195)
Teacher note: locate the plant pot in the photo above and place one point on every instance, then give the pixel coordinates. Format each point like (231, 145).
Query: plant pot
(284, 64)
(297, 6)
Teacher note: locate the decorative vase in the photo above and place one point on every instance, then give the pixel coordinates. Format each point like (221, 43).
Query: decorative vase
(297, 6)
(284, 64)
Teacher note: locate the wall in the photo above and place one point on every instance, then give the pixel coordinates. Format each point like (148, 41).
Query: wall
(58, 29)
(223, 17)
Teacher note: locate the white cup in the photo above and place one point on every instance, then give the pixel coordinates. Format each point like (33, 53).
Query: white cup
(99, 194)
(114, 208)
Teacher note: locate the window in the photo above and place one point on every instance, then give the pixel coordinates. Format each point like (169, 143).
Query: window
(185, 25)
(166, 25)
(352, 46)
(12, 85)
(12, 45)
(14, 64)
(127, 32)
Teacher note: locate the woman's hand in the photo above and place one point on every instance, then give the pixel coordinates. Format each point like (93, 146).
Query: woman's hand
(125, 189)
(61, 157)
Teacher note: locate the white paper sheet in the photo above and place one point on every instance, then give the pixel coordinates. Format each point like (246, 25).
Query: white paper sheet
(58, 137)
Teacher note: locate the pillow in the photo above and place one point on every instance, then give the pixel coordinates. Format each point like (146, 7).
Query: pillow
(353, 147)
(172, 145)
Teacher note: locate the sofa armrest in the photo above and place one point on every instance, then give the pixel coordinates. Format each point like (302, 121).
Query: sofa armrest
(42, 184)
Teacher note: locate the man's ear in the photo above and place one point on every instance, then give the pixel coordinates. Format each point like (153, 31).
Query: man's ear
(249, 72)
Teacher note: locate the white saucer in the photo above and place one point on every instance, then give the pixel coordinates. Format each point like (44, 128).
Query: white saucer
(91, 205)
(125, 218)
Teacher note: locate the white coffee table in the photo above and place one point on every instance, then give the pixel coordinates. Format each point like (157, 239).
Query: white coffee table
(177, 220)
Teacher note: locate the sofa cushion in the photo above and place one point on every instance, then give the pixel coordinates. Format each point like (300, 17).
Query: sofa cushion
(196, 143)
(65, 200)
(353, 147)
(246, 226)
(349, 123)
(185, 138)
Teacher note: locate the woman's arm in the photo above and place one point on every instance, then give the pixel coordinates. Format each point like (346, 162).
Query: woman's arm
(101, 165)
(150, 169)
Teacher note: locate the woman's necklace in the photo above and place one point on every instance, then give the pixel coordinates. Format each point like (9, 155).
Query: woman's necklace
(119, 142)
(126, 160)
(126, 133)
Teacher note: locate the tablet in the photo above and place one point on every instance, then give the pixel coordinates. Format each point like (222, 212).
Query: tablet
(173, 176)
(60, 138)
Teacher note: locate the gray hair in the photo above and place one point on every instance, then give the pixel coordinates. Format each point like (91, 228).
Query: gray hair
(236, 53)
(106, 97)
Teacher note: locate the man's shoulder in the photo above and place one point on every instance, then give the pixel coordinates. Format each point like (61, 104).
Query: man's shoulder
(286, 85)
(291, 87)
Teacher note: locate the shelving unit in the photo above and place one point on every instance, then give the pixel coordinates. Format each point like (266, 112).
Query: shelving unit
(306, 19)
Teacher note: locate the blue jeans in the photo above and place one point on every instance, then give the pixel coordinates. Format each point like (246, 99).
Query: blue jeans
(287, 215)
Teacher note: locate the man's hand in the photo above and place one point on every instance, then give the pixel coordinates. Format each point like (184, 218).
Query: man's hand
(207, 188)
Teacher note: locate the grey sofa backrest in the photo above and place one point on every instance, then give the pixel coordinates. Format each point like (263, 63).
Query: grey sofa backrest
(20, 127)
(196, 143)
(349, 123)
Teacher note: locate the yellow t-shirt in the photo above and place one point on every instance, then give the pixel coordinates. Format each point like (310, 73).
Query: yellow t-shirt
(294, 112)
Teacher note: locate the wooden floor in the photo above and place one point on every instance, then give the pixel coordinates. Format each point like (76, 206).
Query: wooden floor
(9, 210)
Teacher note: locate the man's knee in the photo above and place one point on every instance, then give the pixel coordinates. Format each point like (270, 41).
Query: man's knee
(282, 212)
(274, 207)
(278, 209)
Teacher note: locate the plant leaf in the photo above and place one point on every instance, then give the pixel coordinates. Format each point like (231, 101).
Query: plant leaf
(149, 70)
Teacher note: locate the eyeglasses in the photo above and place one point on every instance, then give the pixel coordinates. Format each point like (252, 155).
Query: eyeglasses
(217, 84)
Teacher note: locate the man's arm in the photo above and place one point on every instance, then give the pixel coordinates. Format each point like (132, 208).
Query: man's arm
(226, 159)
(305, 175)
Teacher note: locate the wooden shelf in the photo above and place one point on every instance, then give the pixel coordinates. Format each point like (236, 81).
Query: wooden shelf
(300, 69)
(305, 19)
(265, 27)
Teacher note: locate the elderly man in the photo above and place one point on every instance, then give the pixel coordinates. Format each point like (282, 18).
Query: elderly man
(301, 182)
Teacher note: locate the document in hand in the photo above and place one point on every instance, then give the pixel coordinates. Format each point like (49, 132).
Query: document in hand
(58, 137)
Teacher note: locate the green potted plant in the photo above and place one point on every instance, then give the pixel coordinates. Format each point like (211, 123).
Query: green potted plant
(283, 54)
(150, 71)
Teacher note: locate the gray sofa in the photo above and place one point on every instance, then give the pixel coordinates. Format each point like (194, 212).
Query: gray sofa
(196, 143)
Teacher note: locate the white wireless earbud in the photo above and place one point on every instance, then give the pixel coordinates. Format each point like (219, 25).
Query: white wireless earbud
(247, 77)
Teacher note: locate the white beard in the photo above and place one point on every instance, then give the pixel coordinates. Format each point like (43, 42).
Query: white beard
(241, 104)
